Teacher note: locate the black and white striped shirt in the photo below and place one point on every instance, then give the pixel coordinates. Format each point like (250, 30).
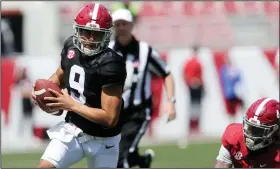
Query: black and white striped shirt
(141, 62)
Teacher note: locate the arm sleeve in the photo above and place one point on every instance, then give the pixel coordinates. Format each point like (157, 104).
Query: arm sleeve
(224, 155)
(157, 65)
(113, 73)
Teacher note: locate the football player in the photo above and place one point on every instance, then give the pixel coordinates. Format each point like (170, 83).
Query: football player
(256, 143)
(94, 76)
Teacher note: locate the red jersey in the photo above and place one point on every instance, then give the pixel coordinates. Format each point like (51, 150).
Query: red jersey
(233, 140)
(192, 70)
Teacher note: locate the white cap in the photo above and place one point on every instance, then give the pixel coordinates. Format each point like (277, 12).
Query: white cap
(122, 14)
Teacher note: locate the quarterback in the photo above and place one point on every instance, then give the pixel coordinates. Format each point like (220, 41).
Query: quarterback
(94, 76)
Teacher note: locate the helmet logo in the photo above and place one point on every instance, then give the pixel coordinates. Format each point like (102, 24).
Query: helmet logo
(254, 120)
(92, 24)
(71, 54)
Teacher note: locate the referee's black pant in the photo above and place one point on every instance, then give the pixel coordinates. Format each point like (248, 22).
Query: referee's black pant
(134, 127)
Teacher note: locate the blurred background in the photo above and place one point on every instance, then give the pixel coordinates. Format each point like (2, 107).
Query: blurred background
(232, 47)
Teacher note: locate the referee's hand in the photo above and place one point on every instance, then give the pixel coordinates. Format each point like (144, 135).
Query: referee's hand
(170, 111)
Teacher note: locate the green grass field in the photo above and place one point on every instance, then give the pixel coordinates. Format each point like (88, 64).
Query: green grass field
(169, 156)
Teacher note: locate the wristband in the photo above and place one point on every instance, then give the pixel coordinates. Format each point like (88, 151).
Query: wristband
(172, 100)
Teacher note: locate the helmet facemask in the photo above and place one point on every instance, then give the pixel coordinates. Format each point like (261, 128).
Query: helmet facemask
(258, 136)
(90, 40)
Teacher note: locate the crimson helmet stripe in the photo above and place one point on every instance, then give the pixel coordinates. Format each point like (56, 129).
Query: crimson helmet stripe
(81, 9)
(260, 107)
(95, 13)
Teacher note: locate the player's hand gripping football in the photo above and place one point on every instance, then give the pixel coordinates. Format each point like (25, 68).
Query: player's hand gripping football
(62, 101)
(33, 96)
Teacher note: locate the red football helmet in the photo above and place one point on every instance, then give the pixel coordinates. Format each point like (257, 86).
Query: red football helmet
(93, 28)
(261, 123)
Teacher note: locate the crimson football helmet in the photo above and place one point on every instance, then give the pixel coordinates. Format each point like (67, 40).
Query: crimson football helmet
(93, 27)
(261, 123)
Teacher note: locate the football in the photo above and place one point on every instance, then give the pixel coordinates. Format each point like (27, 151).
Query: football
(41, 91)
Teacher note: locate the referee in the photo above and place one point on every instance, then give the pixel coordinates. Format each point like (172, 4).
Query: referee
(141, 62)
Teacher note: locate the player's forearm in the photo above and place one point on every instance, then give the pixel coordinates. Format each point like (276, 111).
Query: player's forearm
(220, 164)
(57, 77)
(54, 78)
(95, 115)
(169, 86)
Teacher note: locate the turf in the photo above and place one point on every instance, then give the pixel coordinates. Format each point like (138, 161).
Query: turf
(169, 156)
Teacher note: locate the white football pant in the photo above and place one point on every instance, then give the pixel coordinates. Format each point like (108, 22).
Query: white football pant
(69, 145)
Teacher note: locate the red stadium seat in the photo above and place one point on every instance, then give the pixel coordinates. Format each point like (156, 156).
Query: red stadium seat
(196, 21)
(188, 8)
(271, 8)
(208, 7)
(147, 9)
(230, 7)
(250, 7)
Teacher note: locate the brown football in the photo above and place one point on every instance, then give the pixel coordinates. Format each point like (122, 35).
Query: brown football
(41, 91)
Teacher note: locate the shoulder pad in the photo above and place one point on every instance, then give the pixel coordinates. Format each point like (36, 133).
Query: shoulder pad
(111, 68)
(232, 135)
(111, 63)
(68, 42)
(110, 56)
(67, 45)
